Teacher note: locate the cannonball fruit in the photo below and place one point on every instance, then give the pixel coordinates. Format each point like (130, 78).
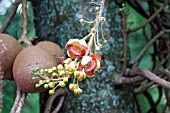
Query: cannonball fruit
(27, 59)
(9, 48)
(53, 48)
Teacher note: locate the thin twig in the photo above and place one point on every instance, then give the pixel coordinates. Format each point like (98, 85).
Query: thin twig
(148, 20)
(162, 62)
(148, 44)
(56, 11)
(10, 16)
(144, 88)
(50, 100)
(151, 76)
(21, 103)
(17, 99)
(24, 37)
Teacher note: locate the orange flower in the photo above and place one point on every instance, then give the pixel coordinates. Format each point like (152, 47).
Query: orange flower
(89, 64)
(76, 48)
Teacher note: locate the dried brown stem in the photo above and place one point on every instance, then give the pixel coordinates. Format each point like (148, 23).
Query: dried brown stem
(151, 76)
(124, 42)
(50, 100)
(10, 16)
(147, 45)
(60, 103)
(142, 89)
(21, 102)
(17, 99)
(56, 11)
(24, 37)
(1, 95)
(148, 20)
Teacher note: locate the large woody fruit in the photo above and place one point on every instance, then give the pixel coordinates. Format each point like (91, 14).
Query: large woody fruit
(27, 59)
(9, 48)
(53, 48)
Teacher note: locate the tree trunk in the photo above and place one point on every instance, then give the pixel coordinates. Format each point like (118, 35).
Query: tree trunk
(58, 23)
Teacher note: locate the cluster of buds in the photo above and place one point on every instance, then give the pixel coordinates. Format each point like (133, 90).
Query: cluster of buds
(82, 62)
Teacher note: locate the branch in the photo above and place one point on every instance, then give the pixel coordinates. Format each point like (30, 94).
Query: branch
(1, 77)
(124, 42)
(142, 89)
(151, 76)
(17, 99)
(60, 103)
(50, 100)
(24, 37)
(56, 11)
(147, 21)
(148, 44)
(10, 16)
(21, 102)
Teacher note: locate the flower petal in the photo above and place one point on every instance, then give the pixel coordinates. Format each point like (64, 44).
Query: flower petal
(90, 66)
(97, 65)
(96, 56)
(86, 60)
(71, 55)
(90, 74)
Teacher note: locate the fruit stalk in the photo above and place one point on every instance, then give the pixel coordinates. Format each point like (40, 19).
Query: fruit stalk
(1, 77)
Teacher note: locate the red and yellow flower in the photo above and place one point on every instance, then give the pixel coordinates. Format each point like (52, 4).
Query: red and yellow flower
(89, 64)
(77, 48)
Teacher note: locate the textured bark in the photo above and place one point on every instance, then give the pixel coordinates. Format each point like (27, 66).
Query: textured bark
(99, 93)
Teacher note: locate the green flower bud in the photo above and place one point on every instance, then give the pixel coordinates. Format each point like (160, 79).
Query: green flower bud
(54, 74)
(54, 68)
(62, 73)
(51, 84)
(50, 71)
(65, 79)
(76, 73)
(46, 86)
(51, 92)
(61, 84)
(60, 67)
(37, 85)
(40, 82)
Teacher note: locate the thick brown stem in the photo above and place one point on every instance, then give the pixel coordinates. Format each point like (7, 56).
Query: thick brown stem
(50, 100)
(1, 77)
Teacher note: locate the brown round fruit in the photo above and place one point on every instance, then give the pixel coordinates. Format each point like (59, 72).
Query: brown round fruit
(27, 59)
(53, 48)
(9, 48)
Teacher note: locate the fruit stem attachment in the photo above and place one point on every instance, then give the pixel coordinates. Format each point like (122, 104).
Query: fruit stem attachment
(24, 37)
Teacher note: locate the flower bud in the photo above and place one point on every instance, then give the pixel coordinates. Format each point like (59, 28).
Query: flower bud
(97, 9)
(54, 74)
(72, 87)
(41, 70)
(93, 30)
(97, 48)
(65, 79)
(54, 68)
(81, 20)
(60, 67)
(76, 73)
(78, 91)
(61, 84)
(49, 71)
(51, 92)
(104, 41)
(82, 76)
(72, 66)
(51, 85)
(62, 73)
(46, 86)
(102, 19)
(37, 85)
(67, 61)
